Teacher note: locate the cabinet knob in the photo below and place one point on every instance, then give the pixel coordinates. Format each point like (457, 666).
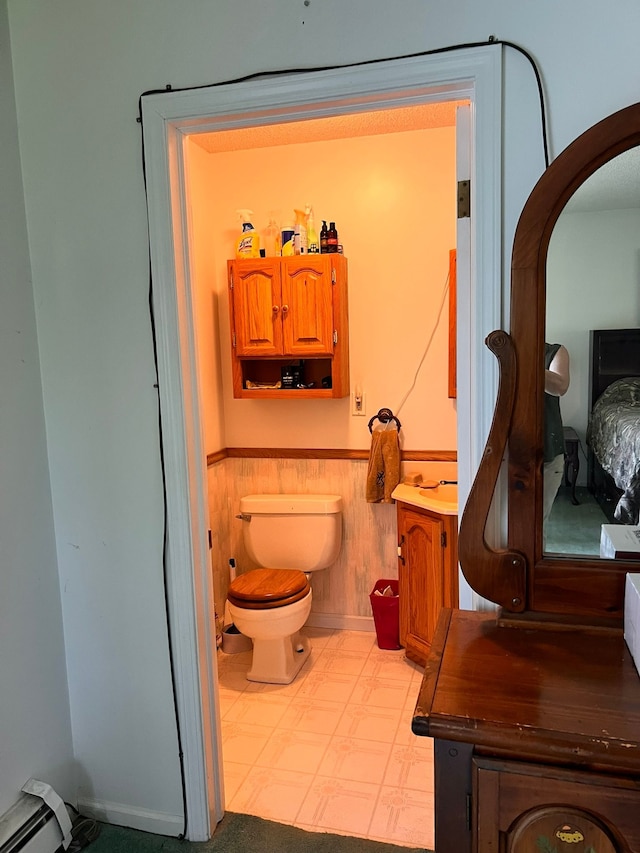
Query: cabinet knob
(285, 308)
(275, 309)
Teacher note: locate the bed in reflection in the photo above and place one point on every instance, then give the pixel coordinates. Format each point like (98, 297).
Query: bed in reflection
(613, 434)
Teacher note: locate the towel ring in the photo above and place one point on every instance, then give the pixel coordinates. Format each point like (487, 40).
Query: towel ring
(384, 416)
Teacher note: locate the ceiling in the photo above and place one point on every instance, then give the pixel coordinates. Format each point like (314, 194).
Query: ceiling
(375, 122)
(616, 185)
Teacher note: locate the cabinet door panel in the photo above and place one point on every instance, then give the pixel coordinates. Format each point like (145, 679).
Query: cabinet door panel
(307, 310)
(421, 576)
(256, 308)
(528, 807)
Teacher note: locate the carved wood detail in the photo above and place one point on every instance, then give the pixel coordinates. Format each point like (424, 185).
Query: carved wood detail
(496, 574)
(542, 588)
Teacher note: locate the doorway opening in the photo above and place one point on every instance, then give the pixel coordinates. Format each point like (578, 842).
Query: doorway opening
(169, 120)
(388, 178)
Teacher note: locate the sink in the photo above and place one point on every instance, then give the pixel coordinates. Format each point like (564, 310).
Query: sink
(442, 499)
(447, 492)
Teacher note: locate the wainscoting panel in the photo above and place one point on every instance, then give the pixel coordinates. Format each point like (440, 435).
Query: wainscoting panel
(369, 534)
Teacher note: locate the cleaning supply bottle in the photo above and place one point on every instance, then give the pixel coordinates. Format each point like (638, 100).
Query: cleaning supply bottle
(312, 235)
(332, 238)
(286, 240)
(324, 233)
(271, 234)
(300, 244)
(248, 243)
(232, 576)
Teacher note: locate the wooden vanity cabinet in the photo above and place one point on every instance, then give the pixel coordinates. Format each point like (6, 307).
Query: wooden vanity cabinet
(284, 310)
(427, 575)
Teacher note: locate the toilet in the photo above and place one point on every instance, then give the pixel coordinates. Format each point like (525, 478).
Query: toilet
(289, 537)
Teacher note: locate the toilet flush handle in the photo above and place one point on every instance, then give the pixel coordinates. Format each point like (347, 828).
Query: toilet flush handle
(244, 516)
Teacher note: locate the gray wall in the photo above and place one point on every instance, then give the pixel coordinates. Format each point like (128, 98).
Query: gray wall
(35, 726)
(80, 66)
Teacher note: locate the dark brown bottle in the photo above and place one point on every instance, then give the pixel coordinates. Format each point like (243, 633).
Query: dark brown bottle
(332, 238)
(323, 237)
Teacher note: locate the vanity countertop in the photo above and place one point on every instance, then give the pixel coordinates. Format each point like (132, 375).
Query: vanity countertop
(442, 499)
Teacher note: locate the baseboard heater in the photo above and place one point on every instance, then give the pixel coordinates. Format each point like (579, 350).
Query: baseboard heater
(37, 823)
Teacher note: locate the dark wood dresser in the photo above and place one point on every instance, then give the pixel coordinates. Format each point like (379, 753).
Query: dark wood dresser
(535, 708)
(537, 738)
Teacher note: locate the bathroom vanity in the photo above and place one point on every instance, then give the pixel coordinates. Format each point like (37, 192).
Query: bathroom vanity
(534, 707)
(427, 575)
(427, 564)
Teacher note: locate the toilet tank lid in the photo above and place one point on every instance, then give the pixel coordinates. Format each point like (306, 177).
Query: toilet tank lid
(290, 504)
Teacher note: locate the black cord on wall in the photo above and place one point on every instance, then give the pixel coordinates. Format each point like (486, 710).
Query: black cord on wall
(256, 76)
(313, 69)
(156, 385)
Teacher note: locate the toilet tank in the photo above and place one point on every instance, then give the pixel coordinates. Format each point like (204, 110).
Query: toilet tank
(292, 531)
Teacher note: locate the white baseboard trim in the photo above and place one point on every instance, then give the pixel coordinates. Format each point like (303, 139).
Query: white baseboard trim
(344, 623)
(132, 818)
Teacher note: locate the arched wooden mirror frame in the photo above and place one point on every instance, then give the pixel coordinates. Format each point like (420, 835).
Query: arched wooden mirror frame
(521, 579)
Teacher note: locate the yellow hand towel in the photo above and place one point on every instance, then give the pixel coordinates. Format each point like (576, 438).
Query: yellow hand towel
(384, 466)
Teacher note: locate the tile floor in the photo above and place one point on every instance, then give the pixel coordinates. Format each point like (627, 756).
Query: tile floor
(334, 750)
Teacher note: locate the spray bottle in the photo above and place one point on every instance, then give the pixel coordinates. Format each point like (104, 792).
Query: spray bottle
(271, 237)
(312, 234)
(248, 243)
(300, 243)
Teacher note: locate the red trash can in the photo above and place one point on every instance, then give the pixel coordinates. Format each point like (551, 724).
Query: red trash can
(386, 614)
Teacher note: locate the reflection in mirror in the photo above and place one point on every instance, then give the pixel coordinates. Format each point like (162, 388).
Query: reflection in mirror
(593, 309)
(593, 277)
(556, 384)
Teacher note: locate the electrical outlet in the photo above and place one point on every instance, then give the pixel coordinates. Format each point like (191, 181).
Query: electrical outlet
(358, 403)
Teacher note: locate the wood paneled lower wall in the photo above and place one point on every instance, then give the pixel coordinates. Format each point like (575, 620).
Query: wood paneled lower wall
(369, 550)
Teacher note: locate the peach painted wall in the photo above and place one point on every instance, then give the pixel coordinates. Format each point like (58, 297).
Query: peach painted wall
(206, 303)
(393, 199)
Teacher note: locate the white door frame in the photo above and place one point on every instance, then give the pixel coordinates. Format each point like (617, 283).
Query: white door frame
(168, 118)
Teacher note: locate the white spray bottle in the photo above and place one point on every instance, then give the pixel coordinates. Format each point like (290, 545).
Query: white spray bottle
(248, 243)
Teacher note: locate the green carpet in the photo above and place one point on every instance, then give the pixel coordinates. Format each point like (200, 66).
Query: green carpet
(574, 529)
(239, 833)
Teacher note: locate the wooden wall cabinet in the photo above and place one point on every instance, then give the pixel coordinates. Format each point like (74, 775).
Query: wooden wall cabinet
(284, 310)
(427, 575)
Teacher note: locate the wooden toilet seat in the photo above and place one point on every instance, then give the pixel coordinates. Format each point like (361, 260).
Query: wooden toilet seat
(265, 589)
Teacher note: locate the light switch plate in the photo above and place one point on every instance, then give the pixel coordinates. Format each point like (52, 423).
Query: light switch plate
(358, 404)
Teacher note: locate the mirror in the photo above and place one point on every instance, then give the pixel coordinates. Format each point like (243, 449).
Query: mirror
(521, 578)
(592, 297)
